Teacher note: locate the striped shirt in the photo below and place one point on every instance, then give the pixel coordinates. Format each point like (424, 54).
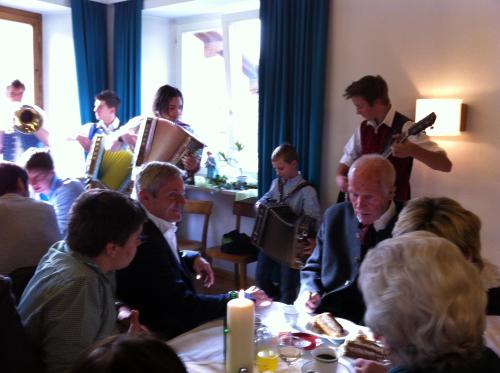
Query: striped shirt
(67, 306)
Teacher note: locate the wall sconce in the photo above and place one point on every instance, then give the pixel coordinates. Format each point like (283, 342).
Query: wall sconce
(450, 112)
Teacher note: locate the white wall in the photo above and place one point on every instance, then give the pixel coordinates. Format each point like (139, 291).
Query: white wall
(60, 91)
(425, 48)
(157, 62)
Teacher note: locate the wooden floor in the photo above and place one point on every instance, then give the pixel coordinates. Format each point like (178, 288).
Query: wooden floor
(224, 282)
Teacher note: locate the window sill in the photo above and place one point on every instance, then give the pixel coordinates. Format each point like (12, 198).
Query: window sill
(238, 194)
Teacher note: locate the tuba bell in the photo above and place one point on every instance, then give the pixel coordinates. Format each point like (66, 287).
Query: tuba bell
(27, 119)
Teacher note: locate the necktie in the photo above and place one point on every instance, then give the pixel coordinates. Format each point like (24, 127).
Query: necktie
(367, 236)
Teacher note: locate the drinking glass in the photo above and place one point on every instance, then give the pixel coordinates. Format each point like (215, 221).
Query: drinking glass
(266, 347)
(289, 349)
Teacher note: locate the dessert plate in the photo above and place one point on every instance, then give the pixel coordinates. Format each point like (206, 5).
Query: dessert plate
(349, 327)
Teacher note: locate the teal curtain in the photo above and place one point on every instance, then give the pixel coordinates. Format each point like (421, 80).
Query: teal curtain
(292, 83)
(89, 35)
(127, 57)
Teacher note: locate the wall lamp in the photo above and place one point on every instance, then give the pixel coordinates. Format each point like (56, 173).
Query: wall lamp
(450, 115)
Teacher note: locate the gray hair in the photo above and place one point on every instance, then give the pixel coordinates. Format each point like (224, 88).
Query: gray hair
(375, 167)
(424, 298)
(153, 175)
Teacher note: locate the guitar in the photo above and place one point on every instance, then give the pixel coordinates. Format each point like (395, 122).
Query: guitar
(418, 127)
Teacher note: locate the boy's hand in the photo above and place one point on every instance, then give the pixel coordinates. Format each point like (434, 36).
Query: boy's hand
(341, 182)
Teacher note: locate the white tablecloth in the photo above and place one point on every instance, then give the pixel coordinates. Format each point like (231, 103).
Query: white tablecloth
(201, 349)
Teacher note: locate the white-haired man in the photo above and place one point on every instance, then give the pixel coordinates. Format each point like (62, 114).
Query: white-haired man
(348, 231)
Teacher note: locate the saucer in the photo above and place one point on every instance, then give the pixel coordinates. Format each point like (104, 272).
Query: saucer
(309, 368)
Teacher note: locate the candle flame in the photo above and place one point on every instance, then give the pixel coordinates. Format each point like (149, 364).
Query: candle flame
(241, 294)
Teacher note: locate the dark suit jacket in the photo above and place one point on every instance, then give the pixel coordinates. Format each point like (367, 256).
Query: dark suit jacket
(159, 286)
(333, 268)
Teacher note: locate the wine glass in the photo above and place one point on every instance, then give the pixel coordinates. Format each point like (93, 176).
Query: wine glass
(289, 349)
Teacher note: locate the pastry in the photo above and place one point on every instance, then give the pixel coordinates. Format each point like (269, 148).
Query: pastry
(364, 348)
(326, 323)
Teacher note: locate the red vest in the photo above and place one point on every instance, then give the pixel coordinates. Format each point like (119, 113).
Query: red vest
(372, 142)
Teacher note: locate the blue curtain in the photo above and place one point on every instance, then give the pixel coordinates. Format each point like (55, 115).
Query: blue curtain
(292, 83)
(127, 57)
(89, 34)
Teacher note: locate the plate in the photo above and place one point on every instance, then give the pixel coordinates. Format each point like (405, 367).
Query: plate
(349, 327)
(311, 339)
(309, 368)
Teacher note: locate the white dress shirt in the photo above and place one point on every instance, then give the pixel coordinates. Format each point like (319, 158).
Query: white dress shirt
(168, 230)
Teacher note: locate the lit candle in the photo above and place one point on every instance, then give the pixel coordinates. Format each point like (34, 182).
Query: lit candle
(240, 334)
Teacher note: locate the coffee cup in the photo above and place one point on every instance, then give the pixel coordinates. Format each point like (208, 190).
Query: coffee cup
(325, 359)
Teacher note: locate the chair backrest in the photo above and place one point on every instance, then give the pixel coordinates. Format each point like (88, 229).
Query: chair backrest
(244, 207)
(200, 207)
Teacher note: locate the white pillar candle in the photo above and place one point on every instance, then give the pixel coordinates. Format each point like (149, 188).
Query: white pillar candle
(240, 334)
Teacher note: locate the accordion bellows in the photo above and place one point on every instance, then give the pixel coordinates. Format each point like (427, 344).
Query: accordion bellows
(112, 169)
(162, 140)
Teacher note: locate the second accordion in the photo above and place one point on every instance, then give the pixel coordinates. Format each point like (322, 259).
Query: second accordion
(282, 234)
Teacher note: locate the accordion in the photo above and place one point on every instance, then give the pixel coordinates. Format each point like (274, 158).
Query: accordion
(108, 169)
(282, 234)
(162, 140)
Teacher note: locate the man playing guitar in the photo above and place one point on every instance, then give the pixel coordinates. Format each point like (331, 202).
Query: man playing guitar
(381, 131)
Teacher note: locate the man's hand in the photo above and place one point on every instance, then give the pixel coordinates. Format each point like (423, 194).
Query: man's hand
(260, 297)
(84, 142)
(191, 163)
(203, 270)
(369, 366)
(402, 149)
(130, 139)
(308, 301)
(129, 319)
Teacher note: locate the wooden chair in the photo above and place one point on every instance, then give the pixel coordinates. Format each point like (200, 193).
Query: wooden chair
(200, 208)
(243, 208)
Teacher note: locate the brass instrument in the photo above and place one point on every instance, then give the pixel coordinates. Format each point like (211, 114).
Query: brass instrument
(27, 119)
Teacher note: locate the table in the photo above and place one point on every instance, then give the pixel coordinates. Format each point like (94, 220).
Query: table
(201, 349)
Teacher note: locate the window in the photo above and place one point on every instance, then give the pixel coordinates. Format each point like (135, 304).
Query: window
(21, 46)
(219, 81)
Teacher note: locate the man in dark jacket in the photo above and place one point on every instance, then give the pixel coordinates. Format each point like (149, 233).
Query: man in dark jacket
(158, 282)
(348, 231)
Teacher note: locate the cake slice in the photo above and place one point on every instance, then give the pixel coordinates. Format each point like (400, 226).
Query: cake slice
(327, 324)
(362, 347)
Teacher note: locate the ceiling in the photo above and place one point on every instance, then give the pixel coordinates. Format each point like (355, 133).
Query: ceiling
(159, 8)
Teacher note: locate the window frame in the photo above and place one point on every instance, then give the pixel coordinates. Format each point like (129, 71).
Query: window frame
(35, 20)
(222, 21)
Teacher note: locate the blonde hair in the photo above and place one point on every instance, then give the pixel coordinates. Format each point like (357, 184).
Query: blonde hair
(424, 298)
(446, 218)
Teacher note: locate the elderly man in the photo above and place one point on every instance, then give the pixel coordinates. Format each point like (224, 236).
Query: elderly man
(28, 227)
(58, 192)
(69, 304)
(348, 231)
(157, 282)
